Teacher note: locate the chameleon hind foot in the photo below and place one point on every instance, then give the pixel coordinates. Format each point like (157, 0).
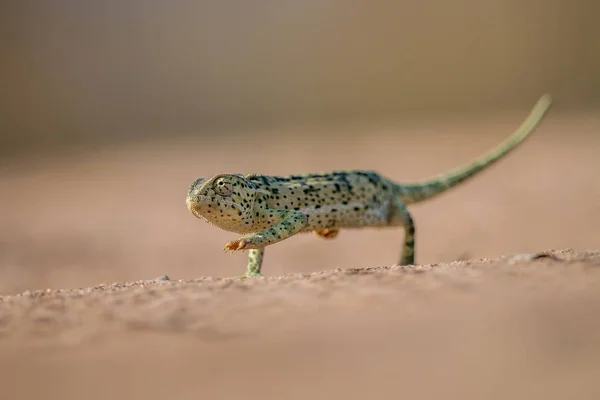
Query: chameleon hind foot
(327, 233)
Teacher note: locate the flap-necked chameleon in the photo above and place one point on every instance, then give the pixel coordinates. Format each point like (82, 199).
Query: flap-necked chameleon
(269, 209)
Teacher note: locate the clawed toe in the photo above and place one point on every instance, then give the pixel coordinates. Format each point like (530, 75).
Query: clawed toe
(239, 244)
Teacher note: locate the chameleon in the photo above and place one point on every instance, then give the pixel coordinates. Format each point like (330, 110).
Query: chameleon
(268, 209)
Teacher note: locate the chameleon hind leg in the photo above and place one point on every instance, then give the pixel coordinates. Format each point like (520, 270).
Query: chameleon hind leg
(401, 216)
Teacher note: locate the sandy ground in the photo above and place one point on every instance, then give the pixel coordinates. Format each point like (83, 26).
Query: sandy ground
(513, 325)
(522, 327)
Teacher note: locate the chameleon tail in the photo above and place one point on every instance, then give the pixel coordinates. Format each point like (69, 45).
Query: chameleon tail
(417, 192)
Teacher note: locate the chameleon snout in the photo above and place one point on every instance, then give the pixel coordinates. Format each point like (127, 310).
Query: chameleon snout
(194, 205)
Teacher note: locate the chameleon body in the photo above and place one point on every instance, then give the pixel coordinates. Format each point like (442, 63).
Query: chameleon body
(269, 209)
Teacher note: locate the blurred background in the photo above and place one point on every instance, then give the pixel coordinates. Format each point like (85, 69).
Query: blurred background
(109, 110)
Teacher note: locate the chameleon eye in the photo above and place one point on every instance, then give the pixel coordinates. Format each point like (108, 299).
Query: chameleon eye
(223, 188)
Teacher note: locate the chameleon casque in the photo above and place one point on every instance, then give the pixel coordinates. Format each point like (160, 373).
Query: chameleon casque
(269, 209)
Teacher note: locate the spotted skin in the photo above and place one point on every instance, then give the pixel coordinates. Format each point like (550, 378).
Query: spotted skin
(255, 257)
(269, 209)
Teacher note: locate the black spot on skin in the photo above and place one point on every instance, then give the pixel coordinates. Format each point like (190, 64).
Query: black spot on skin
(318, 206)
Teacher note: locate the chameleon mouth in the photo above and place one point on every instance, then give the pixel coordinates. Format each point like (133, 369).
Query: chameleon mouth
(193, 206)
(198, 203)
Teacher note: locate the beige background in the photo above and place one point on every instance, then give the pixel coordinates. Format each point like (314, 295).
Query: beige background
(75, 72)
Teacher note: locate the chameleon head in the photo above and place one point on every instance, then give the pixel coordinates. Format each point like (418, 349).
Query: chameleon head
(224, 200)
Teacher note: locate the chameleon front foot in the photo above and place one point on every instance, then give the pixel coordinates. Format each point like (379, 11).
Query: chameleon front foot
(249, 274)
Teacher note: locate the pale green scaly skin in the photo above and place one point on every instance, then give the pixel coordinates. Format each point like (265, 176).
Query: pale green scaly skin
(269, 209)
